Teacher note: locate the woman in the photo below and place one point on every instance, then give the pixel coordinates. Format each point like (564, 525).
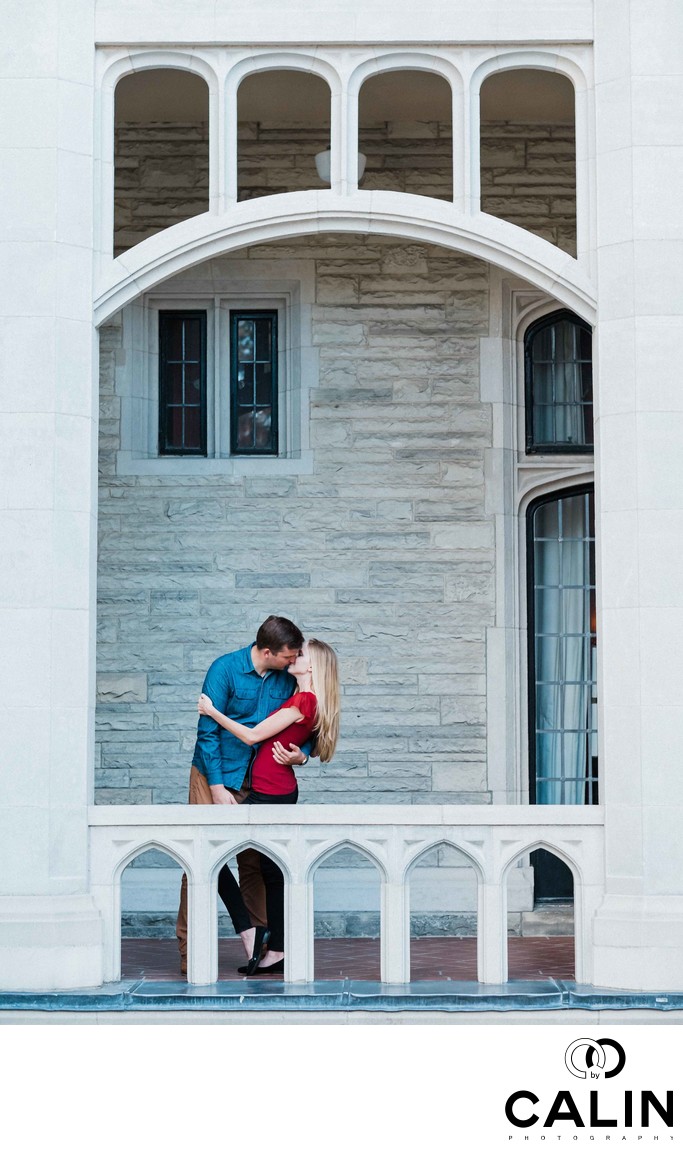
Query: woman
(313, 709)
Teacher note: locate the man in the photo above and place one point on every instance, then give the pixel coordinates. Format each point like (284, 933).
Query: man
(246, 685)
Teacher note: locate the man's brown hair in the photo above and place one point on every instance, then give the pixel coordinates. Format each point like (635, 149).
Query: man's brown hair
(276, 633)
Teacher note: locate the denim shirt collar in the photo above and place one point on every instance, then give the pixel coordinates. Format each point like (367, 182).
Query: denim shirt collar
(247, 663)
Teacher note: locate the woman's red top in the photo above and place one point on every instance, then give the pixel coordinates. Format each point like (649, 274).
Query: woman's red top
(269, 777)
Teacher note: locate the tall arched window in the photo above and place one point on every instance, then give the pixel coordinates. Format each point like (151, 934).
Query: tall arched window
(562, 649)
(558, 377)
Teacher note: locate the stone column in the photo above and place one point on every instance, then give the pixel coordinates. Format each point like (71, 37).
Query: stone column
(638, 930)
(50, 931)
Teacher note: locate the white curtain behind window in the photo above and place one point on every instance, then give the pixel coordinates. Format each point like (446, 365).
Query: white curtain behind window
(563, 648)
(561, 384)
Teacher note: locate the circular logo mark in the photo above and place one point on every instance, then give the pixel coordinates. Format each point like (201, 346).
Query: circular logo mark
(595, 1053)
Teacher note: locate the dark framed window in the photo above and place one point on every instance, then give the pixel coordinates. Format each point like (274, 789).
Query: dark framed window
(558, 376)
(253, 383)
(563, 756)
(182, 383)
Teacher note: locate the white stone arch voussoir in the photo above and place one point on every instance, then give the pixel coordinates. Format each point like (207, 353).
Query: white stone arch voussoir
(270, 61)
(476, 862)
(331, 849)
(544, 61)
(298, 214)
(539, 58)
(126, 64)
(133, 852)
(413, 61)
(223, 853)
(543, 842)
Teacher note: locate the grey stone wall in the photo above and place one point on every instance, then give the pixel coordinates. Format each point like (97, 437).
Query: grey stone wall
(527, 171)
(386, 550)
(161, 178)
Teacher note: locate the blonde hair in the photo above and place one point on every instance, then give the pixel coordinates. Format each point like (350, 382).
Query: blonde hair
(325, 674)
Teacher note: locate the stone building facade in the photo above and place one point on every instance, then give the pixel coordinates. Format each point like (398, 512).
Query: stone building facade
(396, 511)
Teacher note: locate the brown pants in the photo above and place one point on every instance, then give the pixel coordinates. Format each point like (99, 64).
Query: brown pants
(248, 866)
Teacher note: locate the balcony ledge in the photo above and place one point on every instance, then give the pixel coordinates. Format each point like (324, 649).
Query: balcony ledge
(342, 997)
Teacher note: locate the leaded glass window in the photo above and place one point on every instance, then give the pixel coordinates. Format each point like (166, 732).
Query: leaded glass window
(559, 385)
(562, 649)
(253, 382)
(182, 383)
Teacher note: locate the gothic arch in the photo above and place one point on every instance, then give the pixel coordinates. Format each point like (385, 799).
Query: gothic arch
(332, 849)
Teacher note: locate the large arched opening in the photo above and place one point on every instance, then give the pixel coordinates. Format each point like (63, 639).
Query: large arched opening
(387, 415)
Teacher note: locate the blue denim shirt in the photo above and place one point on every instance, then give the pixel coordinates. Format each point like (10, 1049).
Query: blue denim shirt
(236, 689)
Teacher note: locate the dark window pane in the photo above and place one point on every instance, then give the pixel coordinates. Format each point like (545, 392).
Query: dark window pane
(558, 385)
(263, 347)
(264, 383)
(262, 427)
(174, 383)
(254, 383)
(245, 429)
(245, 341)
(182, 383)
(245, 382)
(193, 383)
(192, 428)
(192, 341)
(174, 427)
(174, 339)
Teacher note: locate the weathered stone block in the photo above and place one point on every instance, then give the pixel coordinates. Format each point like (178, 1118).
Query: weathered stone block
(470, 589)
(339, 333)
(272, 579)
(198, 510)
(466, 709)
(174, 602)
(114, 796)
(125, 688)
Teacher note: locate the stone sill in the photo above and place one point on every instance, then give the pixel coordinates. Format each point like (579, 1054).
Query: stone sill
(179, 467)
(342, 996)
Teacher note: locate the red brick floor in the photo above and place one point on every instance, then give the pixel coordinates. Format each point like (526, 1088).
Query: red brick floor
(437, 959)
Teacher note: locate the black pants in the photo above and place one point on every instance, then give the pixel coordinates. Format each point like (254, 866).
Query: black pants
(273, 879)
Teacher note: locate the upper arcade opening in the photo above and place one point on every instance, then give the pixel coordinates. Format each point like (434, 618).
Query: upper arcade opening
(283, 123)
(528, 153)
(405, 133)
(161, 153)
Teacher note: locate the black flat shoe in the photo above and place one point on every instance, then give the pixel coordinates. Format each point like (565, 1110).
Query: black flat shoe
(261, 936)
(275, 968)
